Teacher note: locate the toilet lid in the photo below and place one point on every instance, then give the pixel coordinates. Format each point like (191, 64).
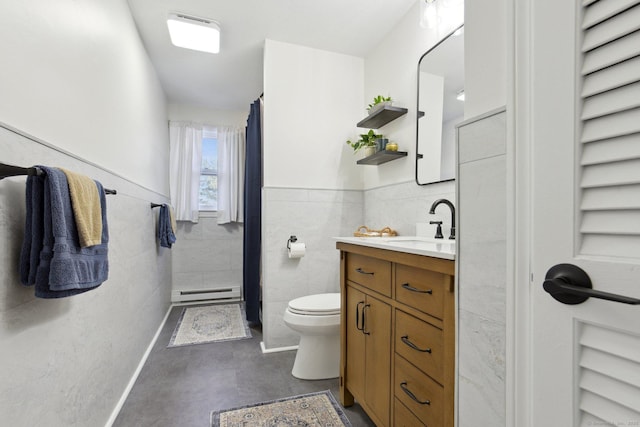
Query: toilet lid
(320, 304)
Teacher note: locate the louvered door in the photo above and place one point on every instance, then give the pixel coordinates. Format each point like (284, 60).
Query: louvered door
(585, 209)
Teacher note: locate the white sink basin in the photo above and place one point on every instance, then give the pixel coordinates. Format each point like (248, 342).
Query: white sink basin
(440, 245)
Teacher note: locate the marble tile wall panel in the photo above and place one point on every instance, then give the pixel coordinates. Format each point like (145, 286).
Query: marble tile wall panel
(482, 272)
(483, 341)
(314, 216)
(74, 356)
(207, 255)
(401, 206)
(482, 138)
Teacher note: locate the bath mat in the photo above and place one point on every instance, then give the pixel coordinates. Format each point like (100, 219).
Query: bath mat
(210, 323)
(313, 409)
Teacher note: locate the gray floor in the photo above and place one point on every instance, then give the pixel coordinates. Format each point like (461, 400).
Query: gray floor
(180, 386)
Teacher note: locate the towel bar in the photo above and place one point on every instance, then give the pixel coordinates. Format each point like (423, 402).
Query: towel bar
(10, 170)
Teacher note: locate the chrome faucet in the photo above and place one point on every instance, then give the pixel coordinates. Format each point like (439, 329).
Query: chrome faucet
(453, 214)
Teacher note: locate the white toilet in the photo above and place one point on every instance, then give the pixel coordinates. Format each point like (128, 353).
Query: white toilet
(317, 319)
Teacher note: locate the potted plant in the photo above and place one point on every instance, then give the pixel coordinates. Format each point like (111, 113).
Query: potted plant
(366, 141)
(378, 103)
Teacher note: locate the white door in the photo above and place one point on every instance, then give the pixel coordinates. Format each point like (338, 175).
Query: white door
(585, 210)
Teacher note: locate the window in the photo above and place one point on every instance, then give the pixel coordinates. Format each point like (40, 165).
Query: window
(208, 200)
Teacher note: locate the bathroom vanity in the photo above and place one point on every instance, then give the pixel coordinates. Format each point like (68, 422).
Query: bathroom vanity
(398, 329)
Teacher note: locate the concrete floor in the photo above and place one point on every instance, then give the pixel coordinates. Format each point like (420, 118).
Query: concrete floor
(180, 386)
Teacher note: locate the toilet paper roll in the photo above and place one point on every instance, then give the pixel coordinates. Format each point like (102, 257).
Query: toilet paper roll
(296, 250)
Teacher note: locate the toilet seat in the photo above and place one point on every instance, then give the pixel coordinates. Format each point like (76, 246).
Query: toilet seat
(316, 305)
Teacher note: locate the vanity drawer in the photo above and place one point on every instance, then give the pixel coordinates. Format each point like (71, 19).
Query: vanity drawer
(403, 417)
(421, 344)
(372, 273)
(420, 289)
(420, 394)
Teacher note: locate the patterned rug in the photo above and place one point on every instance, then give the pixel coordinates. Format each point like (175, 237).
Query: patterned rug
(210, 323)
(314, 409)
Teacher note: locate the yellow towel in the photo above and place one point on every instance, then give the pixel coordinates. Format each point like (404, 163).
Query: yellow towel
(85, 202)
(174, 224)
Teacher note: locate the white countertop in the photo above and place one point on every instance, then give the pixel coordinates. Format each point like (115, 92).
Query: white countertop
(427, 246)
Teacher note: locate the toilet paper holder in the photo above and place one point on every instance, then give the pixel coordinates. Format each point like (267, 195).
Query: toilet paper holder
(291, 240)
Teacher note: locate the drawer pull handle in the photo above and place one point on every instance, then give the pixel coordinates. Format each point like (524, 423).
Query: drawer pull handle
(364, 319)
(361, 271)
(403, 386)
(412, 289)
(358, 317)
(405, 339)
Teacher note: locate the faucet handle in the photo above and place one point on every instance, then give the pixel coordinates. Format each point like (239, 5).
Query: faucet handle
(438, 229)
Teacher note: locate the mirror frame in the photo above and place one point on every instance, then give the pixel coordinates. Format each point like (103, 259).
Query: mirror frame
(418, 116)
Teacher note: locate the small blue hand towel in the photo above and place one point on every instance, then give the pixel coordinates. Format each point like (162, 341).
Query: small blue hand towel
(165, 230)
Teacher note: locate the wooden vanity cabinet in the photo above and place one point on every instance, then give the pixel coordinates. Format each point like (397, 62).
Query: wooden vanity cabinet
(397, 336)
(368, 357)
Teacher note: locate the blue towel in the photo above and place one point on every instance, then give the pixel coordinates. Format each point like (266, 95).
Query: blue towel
(165, 230)
(51, 256)
(33, 230)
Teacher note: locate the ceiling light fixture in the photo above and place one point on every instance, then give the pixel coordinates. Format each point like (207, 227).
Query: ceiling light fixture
(194, 33)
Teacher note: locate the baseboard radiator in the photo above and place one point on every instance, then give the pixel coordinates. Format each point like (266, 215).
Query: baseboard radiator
(231, 293)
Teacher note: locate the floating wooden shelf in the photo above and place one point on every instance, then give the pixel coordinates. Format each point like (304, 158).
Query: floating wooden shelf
(382, 157)
(381, 117)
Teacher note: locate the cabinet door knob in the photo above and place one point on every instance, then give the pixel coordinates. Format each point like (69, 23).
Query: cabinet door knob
(412, 289)
(403, 386)
(405, 339)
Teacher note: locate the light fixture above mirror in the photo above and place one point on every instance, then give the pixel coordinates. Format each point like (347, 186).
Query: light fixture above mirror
(440, 15)
(194, 33)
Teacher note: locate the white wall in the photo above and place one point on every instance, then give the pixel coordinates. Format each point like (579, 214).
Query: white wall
(483, 255)
(485, 55)
(312, 100)
(76, 75)
(391, 69)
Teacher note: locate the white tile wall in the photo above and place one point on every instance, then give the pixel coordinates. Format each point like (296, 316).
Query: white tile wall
(314, 216)
(401, 206)
(481, 275)
(207, 255)
(74, 356)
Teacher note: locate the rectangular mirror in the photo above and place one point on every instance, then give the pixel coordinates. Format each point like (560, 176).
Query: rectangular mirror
(440, 108)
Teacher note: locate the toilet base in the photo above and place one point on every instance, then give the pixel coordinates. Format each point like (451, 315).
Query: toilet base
(318, 357)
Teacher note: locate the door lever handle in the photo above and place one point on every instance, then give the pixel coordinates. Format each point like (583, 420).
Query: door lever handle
(569, 284)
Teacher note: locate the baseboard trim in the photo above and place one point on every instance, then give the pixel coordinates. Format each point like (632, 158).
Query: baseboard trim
(134, 377)
(276, 349)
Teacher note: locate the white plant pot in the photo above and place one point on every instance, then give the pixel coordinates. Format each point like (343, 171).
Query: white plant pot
(369, 151)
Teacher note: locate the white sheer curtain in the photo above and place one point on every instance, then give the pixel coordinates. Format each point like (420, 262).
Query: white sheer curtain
(231, 154)
(185, 158)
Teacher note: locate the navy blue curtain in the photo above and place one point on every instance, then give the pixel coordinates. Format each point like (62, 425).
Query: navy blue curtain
(252, 214)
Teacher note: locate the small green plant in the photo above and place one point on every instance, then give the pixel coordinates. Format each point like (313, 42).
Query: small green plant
(377, 100)
(366, 140)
